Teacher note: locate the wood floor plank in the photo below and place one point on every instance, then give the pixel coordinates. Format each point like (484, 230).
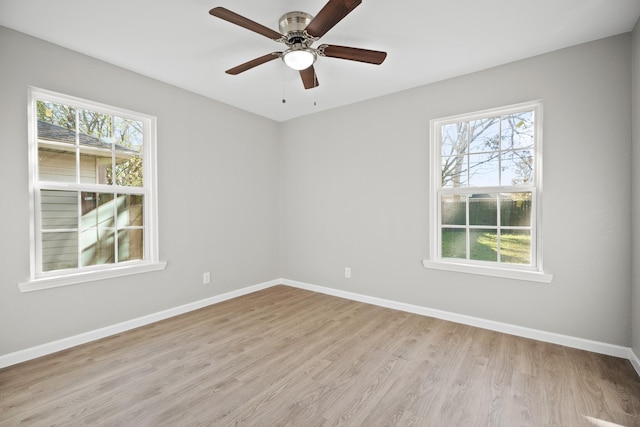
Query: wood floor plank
(290, 357)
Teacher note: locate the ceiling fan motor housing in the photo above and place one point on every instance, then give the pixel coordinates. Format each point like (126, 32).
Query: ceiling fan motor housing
(292, 25)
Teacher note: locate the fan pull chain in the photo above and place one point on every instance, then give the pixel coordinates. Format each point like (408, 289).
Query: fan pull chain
(284, 99)
(315, 86)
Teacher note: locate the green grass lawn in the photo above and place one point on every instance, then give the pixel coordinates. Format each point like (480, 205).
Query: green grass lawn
(515, 246)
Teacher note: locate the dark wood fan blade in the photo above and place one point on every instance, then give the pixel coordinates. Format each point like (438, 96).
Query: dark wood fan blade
(309, 78)
(234, 18)
(352, 53)
(253, 63)
(330, 15)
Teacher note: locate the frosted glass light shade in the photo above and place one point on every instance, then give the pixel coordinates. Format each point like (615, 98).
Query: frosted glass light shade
(299, 59)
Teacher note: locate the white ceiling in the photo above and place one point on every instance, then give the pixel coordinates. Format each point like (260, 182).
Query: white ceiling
(178, 42)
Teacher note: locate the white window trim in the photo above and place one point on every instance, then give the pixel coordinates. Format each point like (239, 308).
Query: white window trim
(533, 273)
(45, 280)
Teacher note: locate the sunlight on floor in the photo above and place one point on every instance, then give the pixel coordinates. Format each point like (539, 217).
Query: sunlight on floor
(601, 423)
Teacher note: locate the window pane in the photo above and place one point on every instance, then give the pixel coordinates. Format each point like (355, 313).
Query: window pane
(483, 209)
(454, 210)
(454, 139)
(484, 170)
(88, 169)
(515, 246)
(130, 211)
(129, 172)
(96, 125)
(56, 122)
(97, 210)
(59, 209)
(485, 135)
(130, 245)
(98, 247)
(483, 244)
(56, 163)
(515, 209)
(517, 167)
(454, 171)
(59, 250)
(518, 130)
(454, 243)
(128, 133)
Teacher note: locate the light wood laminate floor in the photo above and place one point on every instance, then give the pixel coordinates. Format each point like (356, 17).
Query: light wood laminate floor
(285, 356)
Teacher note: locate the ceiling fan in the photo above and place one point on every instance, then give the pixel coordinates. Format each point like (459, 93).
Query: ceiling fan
(298, 31)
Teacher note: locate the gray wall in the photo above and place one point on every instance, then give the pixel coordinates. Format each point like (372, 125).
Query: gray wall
(217, 196)
(635, 312)
(251, 200)
(354, 193)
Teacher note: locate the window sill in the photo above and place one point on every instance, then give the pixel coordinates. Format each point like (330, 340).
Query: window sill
(89, 276)
(531, 276)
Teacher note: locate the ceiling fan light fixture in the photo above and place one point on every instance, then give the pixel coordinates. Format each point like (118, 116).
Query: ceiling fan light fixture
(299, 59)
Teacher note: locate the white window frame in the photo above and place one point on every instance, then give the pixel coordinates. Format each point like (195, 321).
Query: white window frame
(43, 280)
(533, 272)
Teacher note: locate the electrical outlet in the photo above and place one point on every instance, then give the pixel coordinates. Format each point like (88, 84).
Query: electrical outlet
(347, 272)
(206, 278)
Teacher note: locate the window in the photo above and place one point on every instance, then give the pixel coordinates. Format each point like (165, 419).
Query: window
(92, 180)
(485, 204)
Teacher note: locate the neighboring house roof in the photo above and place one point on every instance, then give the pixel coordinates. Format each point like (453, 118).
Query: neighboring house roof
(57, 133)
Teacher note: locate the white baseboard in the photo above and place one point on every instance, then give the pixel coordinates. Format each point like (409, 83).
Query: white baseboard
(550, 337)
(65, 343)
